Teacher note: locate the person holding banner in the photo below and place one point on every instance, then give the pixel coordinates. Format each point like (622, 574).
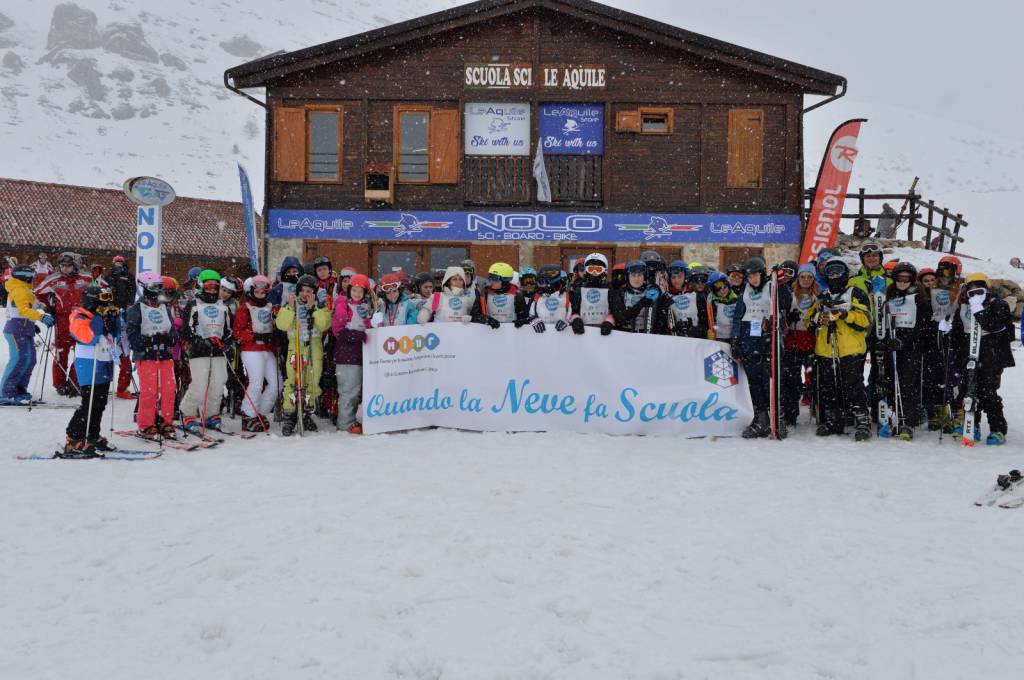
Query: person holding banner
(550, 304)
(640, 307)
(754, 321)
(396, 308)
(688, 302)
(723, 305)
(589, 300)
(454, 302)
(352, 318)
(501, 301)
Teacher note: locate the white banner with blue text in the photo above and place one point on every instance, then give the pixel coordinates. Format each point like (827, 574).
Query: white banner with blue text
(473, 377)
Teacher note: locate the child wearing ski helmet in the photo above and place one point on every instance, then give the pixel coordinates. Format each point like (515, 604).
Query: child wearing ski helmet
(20, 331)
(640, 306)
(327, 286)
(352, 318)
(528, 282)
(254, 333)
(799, 342)
(96, 328)
(736, 279)
(618, 276)
(60, 293)
(687, 307)
(941, 372)
(754, 322)
(206, 329)
(305, 323)
(455, 301)
(549, 306)
(840, 319)
(723, 305)
(149, 324)
(981, 305)
(501, 301)
(655, 268)
(396, 308)
(906, 320)
(590, 301)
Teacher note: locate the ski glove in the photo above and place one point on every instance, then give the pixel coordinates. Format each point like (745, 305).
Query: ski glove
(492, 322)
(606, 328)
(945, 326)
(652, 294)
(47, 320)
(538, 326)
(521, 322)
(793, 318)
(977, 302)
(561, 325)
(577, 326)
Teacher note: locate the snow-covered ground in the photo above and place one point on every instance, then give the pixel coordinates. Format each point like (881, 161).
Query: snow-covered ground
(456, 555)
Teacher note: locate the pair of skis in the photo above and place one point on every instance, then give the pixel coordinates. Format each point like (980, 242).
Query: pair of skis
(971, 393)
(1008, 492)
(775, 343)
(888, 413)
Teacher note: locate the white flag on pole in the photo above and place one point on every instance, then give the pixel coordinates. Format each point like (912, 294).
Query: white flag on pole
(540, 173)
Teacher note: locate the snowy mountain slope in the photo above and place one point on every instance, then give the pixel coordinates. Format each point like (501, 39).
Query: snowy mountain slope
(96, 92)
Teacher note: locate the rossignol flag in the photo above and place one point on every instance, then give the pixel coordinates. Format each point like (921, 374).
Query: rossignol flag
(833, 180)
(473, 377)
(249, 215)
(540, 173)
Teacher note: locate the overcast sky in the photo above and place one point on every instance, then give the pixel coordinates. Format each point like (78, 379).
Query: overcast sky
(958, 60)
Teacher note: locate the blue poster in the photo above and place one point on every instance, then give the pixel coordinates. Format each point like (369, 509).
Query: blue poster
(525, 225)
(572, 128)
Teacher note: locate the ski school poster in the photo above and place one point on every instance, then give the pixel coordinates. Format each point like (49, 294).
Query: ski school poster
(473, 377)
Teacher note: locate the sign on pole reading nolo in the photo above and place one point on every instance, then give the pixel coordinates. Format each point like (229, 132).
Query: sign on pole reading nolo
(150, 195)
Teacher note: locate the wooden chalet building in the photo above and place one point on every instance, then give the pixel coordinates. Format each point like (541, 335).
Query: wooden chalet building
(414, 145)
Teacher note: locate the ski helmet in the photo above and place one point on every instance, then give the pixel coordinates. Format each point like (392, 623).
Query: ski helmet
(227, 284)
(194, 273)
(392, 281)
(925, 271)
(357, 281)
(206, 276)
(824, 256)
(619, 275)
(869, 247)
(93, 295)
(305, 281)
(653, 260)
(321, 261)
(152, 284)
(678, 267)
(469, 268)
(595, 258)
(699, 274)
(636, 267)
(259, 281)
(788, 269)
(347, 271)
(976, 280)
(68, 258)
(905, 268)
(170, 284)
(837, 274)
(24, 272)
(755, 264)
(734, 268)
(951, 261)
(550, 278)
(500, 272)
(717, 277)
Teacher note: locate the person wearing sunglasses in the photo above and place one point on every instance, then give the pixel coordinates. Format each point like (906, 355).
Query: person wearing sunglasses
(688, 307)
(754, 321)
(723, 305)
(454, 302)
(982, 304)
(97, 336)
(549, 305)
(640, 307)
(206, 330)
(501, 302)
(590, 300)
(907, 317)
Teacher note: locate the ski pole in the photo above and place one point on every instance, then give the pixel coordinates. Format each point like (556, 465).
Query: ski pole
(42, 373)
(206, 393)
(92, 387)
(248, 398)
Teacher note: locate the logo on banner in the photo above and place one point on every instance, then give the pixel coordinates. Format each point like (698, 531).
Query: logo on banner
(406, 224)
(844, 153)
(406, 344)
(658, 227)
(720, 369)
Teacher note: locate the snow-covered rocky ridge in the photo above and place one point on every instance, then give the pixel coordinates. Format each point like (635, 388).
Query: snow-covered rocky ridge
(94, 92)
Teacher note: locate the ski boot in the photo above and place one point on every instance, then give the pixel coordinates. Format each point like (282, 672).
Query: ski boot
(257, 424)
(995, 439)
(18, 400)
(758, 427)
(939, 419)
(355, 428)
(213, 422)
(168, 432)
(101, 444)
(288, 423)
(308, 422)
(1004, 482)
(77, 449)
(192, 425)
(906, 434)
(861, 426)
(152, 433)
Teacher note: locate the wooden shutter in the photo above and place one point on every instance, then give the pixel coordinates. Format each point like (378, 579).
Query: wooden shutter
(444, 146)
(746, 148)
(627, 121)
(289, 144)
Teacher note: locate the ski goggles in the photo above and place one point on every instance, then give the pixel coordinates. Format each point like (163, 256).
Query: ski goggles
(903, 278)
(870, 248)
(676, 270)
(494, 278)
(106, 295)
(637, 269)
(786, 272)
(211, 286)
(699, 277)
(595, 269)
(261, 286)
(976, 289)
(720, 286)
(528, 280)
(946, 270)
(390, 287)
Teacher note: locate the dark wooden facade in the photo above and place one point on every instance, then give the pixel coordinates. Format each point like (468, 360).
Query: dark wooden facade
(421, 63)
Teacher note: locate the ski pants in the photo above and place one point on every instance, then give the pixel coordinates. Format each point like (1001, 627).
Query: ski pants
(940, 374)
(350, 393)
(757, 364)
(908, 370)
(21, 358)
(989, 401)
(313, 367)
(209, 374)
(840, 387)
(792, 382)
(264, 383)
(99, 395)
(62, 345)
(156, 385)
(124, 374)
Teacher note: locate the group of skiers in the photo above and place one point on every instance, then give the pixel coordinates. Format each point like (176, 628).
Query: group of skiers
(294, 345)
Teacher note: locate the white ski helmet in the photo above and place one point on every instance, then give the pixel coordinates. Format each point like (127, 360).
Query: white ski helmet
(596, 257)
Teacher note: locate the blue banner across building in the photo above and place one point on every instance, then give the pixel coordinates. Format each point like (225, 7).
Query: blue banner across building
(572, 128)
(422, 225)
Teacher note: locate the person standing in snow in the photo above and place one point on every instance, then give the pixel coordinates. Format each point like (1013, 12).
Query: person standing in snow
(640, 307)
(305, 323)
(207, 331)
(20, 331)
(60, 293)
(589, 300)
(396, 308)
(688, 302)
(909, 314)
(149, 324)
(941, 372)
(254, 331)
(840, 319)
(351, 319)
(723, 305)
(798, 343)
(42, 266)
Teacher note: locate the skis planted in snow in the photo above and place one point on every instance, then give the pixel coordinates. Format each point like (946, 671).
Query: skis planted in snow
(878, 311)
(971, 393)
(775, 343)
